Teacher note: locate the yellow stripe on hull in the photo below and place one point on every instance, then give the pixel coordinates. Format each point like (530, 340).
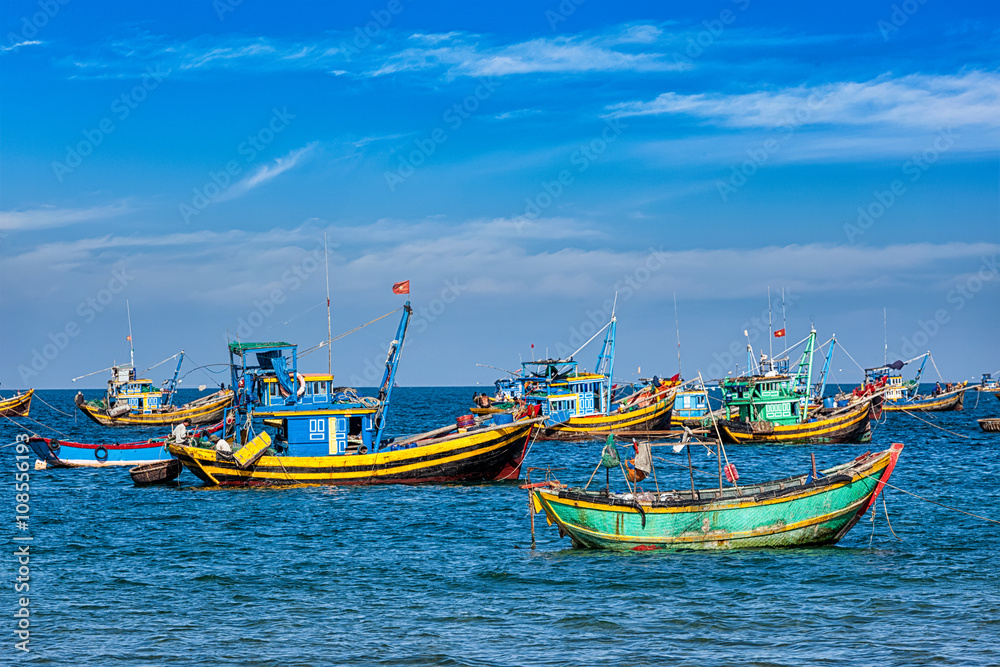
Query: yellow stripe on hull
(577, 427)
(818, 430)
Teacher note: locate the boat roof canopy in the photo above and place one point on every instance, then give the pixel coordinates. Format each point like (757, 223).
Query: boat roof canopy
(239, 348)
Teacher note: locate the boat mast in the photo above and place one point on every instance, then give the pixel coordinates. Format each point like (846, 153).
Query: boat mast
(389, 377)
(770, 329)
(821, 385)
(677, 323)
(606, 359)
(329, 327)
(885, 337)
(172, 385)
(131, 348)
(803, 375)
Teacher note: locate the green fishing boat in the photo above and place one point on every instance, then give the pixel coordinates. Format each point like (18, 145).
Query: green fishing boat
(814, 509)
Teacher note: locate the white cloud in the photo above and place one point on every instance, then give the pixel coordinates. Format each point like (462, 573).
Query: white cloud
(919, 100)
(266, 173)
(47, 217)
(14, 47)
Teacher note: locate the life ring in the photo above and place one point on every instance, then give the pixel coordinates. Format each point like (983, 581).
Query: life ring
(54, 446)
(302, 384)
(101, 454)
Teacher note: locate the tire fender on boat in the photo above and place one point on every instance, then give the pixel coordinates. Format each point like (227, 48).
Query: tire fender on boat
(54, 446)
(101, 454)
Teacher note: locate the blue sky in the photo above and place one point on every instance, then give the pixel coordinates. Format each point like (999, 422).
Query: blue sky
(518, 162)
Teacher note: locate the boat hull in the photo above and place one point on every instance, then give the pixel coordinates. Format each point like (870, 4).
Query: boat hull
(802, 513)
(942, 403)
(991, 425)
(494, 454)
(67, 454)
(207, 410)
(854, 426)
(17, 406)
(653, 417)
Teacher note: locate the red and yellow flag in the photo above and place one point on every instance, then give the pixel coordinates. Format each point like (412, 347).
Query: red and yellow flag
(401, 288)
(780, 333)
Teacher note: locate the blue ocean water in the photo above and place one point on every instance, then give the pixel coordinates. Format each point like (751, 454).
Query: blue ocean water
(445, 575)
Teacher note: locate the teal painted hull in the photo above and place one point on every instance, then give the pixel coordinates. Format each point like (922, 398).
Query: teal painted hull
(784, 513)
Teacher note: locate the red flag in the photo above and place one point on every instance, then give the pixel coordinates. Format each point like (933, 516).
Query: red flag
(780, 333)
(128, 338)
(401, 288)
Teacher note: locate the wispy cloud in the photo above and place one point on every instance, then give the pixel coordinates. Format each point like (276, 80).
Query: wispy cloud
(17, 45)
(48, 217)
(971, 98)
(266, 173)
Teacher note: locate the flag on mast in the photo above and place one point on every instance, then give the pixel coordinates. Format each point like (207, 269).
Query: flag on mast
(401, 288)
(780, 333)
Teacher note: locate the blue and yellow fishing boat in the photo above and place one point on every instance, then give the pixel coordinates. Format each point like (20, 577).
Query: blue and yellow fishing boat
(582, 405)
(773, 406)
(901, 395)
(293, 428)
(133, 401)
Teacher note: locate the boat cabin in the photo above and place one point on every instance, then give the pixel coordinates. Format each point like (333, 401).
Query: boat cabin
(140, 395)
(771, 398)
(561, 390)
(690, 405)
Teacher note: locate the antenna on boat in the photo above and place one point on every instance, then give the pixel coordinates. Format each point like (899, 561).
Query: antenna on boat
(885, 337)
(677, 323)
(131, 348)
(784, 326)
(329, 327)
(770, 329)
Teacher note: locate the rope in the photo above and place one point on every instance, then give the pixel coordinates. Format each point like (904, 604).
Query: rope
(65, 414)
(933, 424)
(932, 502)
(527, 451)
(885, 510)
(37, 435)
(851, 358)
(931, 356)
(347, 333)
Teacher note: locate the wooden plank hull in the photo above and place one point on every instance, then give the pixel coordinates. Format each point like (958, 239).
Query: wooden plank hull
(794, 512)
(207, 410)
(17, 406)
(68, 454)
(654, 417)
(493, 454)
(991, 425)
(853, 426)
(943, 403)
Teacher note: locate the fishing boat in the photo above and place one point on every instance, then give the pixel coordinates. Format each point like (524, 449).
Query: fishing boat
(900, 395)
(802, 510)
(580, 405)
(291, 428)
(990, 385)
(690, 408)
(504, 399)
(990, 424)
(18, 405)
(68, 454)
(132, 401)
(774, 406)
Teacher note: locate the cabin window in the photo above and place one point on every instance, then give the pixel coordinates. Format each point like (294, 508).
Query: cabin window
(355, 426)
(272, 388)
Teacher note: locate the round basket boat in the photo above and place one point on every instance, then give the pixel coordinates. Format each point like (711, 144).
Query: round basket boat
(156, 472)
(991, 425)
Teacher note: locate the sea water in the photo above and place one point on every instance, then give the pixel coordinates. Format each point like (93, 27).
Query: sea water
(446, 574)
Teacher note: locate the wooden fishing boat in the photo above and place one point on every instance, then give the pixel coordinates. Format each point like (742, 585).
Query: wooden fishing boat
(580, 405)
(17, 405)
(853, 425)
(900, 395)
(157, 472)
(68, 454)
(133, 401)
(930, 403)
(298, 429)
(137, 405)
(690, 408)
(774, 406)
(796, 511)
(990, 424)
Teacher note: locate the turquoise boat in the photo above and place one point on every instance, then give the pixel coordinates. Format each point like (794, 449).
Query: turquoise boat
(800, 511)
